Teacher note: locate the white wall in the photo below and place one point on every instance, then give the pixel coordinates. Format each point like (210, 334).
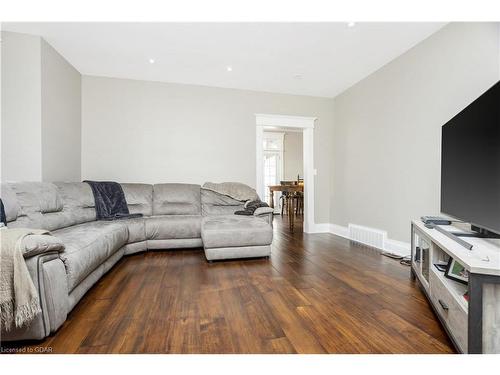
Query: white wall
(378, 167)
(293, 156)
(41, 112)
(139, 131)
(387, 133)
(21, 107)
(61, 117)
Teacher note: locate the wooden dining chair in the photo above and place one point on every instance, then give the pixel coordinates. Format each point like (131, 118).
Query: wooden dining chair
(299, 196)
(299, 203)
(285, 196)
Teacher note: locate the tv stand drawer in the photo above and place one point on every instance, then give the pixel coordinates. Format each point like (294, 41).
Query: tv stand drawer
(449, 310)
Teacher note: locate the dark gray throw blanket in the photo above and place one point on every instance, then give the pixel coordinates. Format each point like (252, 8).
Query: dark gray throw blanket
(110, 203)
(250, 208)
(3, 217)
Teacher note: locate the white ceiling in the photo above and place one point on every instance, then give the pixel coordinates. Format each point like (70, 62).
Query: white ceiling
(318, 59)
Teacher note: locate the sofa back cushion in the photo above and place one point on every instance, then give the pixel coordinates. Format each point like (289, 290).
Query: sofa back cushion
(139, 198)
(78, 200)
(176, 199)
(50, 206)
(213, 204)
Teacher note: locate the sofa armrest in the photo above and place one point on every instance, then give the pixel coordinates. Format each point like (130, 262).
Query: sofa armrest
(36, 244)
(265, 213)
(48, 274)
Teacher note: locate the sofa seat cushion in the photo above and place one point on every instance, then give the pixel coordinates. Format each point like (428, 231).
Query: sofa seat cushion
(235, 231)
(167, 227)
(88, 245)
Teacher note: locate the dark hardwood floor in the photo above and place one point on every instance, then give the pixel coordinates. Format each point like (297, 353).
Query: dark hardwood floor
(317, 294)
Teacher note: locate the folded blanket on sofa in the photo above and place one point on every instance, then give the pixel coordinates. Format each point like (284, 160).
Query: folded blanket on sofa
(235, 190)
(19, 302)
(250, 208)
(110, 203)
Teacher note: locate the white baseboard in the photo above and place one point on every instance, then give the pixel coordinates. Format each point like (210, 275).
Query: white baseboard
(339, 230)
(397, 247)
(319, 228)
(394, 246)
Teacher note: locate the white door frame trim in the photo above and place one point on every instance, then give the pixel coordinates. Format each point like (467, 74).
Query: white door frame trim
(263, 120)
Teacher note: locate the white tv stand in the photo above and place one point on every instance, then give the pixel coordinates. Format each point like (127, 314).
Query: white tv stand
(473, 325)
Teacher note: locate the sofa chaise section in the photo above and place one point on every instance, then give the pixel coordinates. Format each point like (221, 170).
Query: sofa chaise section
(232, 237)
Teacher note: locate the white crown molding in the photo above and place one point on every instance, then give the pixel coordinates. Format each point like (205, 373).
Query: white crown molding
(263, 119)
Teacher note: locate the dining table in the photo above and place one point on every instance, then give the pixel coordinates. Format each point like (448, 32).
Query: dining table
(288, 188)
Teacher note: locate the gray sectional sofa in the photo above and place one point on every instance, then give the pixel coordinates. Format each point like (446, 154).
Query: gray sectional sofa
(174, 216)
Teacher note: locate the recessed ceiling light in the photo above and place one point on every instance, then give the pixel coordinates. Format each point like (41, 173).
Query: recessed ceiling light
(151, 61)
(229, 68)
(351, 24)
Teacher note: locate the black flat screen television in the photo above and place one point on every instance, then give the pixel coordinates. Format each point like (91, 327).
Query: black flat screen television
(470, 163)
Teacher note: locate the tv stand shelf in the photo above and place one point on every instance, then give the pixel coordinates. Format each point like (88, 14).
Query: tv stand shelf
(469, 312)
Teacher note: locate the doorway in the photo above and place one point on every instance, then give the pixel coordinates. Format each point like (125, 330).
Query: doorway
(269, 157)
(283, 164)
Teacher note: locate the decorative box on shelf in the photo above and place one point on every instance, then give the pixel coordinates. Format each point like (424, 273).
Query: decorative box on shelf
(463, 286)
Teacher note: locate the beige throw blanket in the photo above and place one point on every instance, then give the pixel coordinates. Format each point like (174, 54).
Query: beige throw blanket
(19, 302)
(235, 190)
